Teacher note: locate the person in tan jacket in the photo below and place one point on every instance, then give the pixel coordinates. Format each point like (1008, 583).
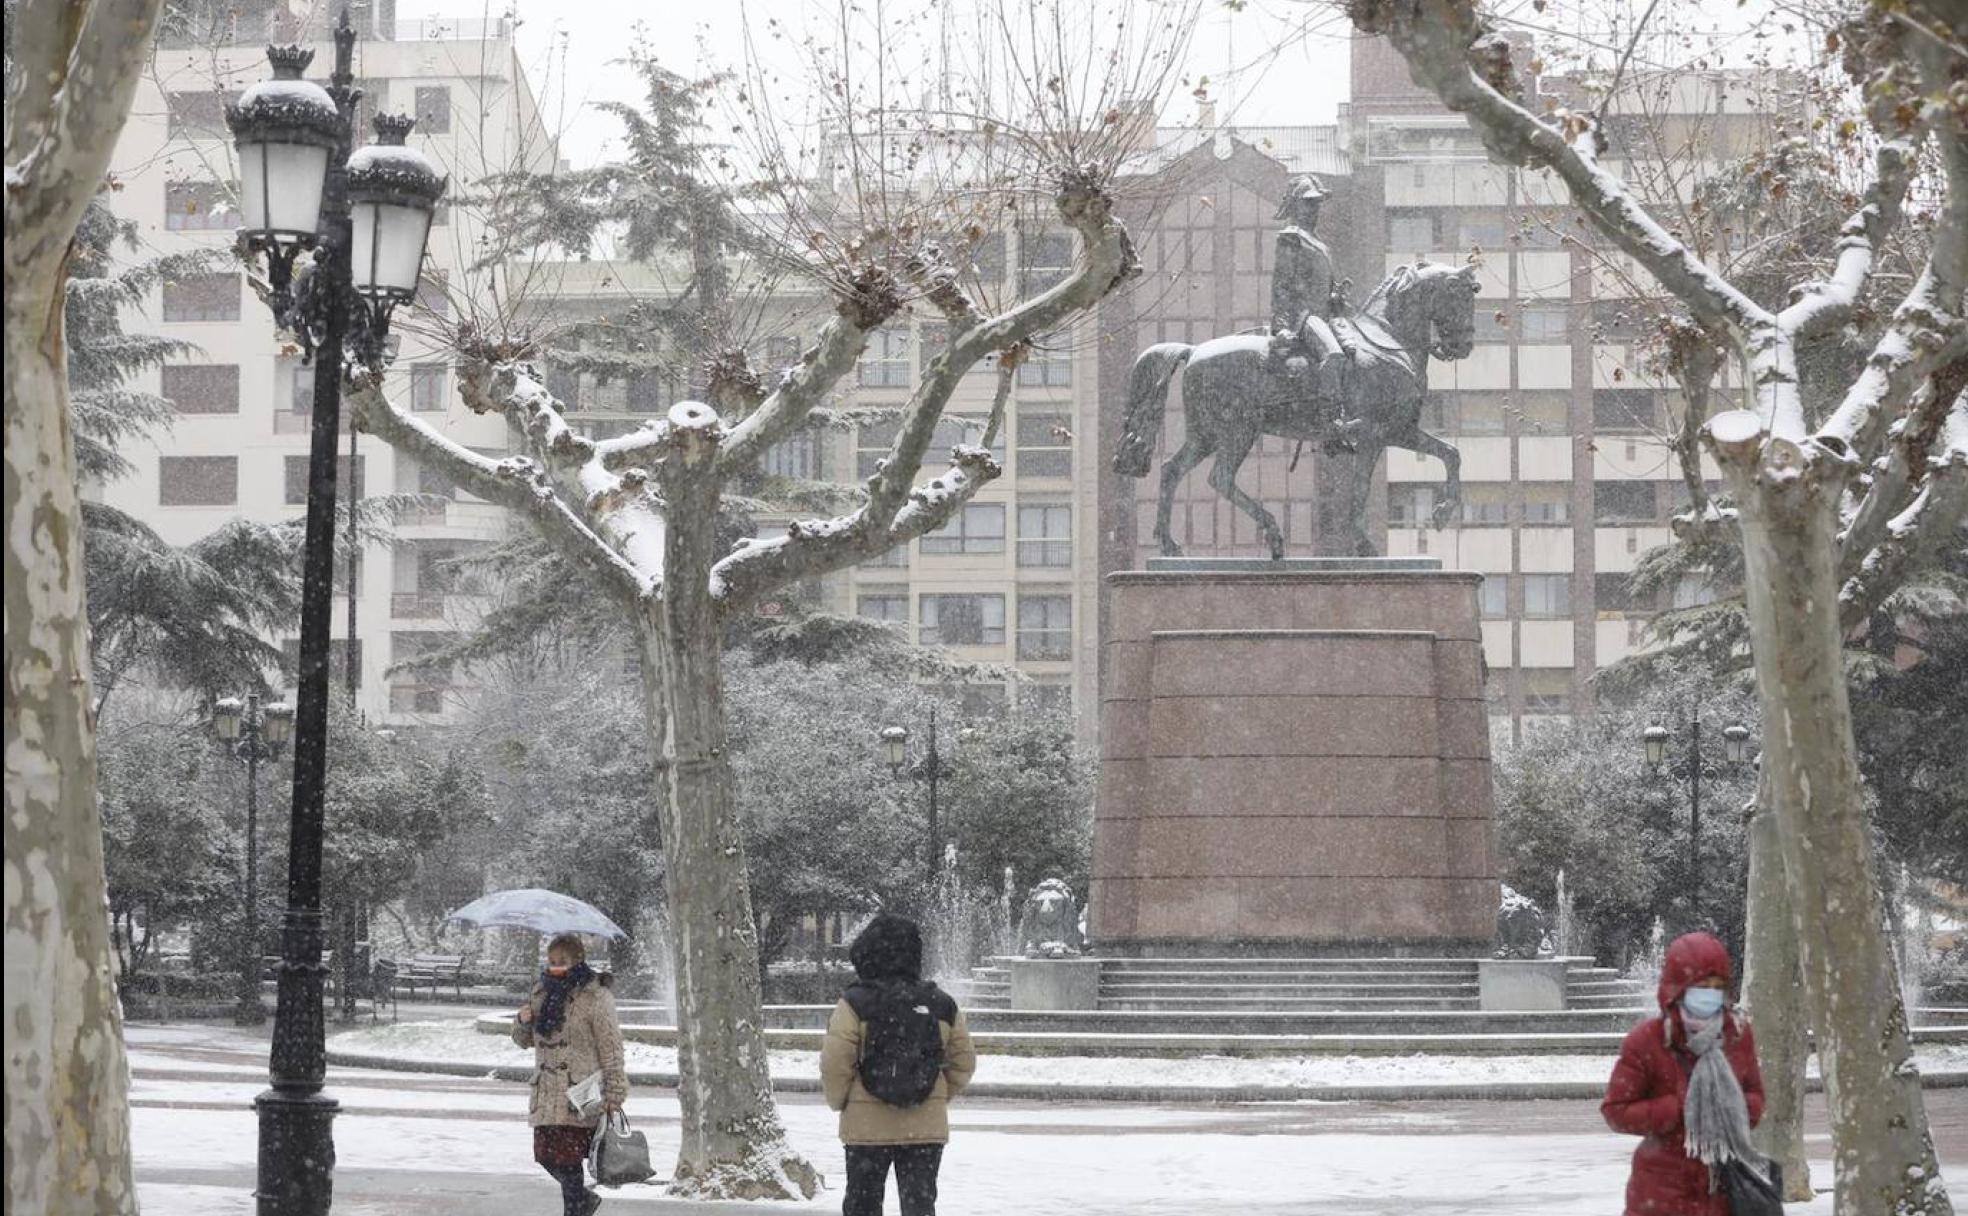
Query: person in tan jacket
(897, 1050)
(569, 1022)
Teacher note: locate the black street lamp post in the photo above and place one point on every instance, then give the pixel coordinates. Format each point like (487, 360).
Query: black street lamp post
(930, 770)
(1735, 741)
(253, 733)
(366, 217)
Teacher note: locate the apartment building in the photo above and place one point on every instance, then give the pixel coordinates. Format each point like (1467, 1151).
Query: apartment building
(1568, 478)
(239, 446)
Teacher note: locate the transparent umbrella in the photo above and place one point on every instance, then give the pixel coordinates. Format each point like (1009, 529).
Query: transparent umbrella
(541, 911)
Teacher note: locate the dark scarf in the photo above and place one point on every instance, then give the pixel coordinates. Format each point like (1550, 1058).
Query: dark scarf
(553, 1006)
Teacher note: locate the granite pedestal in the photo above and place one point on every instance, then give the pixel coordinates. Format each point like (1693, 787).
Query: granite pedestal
(1296, 755)
(1055, 983)
(1519, 985)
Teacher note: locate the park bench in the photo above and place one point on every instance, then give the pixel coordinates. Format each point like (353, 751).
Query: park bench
(432, 970)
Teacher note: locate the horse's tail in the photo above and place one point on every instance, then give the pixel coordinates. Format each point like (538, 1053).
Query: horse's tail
(1147, 402)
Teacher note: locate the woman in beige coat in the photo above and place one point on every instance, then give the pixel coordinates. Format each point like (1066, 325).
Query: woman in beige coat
(569, 1022)
(897, 1034)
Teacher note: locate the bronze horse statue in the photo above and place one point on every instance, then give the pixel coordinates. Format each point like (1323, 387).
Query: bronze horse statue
(1232, 393)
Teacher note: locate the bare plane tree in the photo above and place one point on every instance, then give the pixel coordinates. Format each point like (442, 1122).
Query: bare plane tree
(1830, 515)
(72, 70)
(641, 510)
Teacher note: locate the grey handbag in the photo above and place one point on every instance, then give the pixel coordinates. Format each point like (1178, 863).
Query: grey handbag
(619, 1155)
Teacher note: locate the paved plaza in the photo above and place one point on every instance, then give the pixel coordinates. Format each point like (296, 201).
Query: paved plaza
(460, 1147)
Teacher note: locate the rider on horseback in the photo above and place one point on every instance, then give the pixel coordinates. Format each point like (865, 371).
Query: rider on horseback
(1304, 298)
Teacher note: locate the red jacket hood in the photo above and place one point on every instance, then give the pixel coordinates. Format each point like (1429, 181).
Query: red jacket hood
(1692, 957)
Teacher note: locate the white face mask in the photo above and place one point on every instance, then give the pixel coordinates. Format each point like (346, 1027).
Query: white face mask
(1703, 1002)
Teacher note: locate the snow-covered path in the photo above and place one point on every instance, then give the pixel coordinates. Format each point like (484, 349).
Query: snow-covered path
(459, 1147)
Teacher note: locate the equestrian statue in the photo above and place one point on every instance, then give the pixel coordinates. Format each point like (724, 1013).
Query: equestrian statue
(1347, 380)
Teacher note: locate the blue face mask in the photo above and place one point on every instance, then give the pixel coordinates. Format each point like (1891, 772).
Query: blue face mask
(1703, 1002)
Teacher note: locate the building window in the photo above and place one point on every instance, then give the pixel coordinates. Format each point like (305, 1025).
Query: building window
(886, 361)
(1045, 536)
(889, 559)
(1045, 627)
(433, 110)
(1547, 595)
(1492, 511)
(338, 656)
(197, 481)
(297, 479)
(202, 297)
(782, 351)
(883, 606)
(1623, 502)
(796, 457)
(961, 620)
(1489, 235)
(650, 392)
(1623, 409)
(198, 207)
(1408, 234)
(1493, 600)
(201, 388)
(1545, 323)
(197, 114)
(1046, 697)
(421, 690)
(1547, 504)
(434, 293)
(427, 388)
(1551, 703)
(954, 429)
(1044, 261)
(1045, 445)
(978, 528)
(1047, 367)
(986, 263)
(1410, 506)
(871, 444)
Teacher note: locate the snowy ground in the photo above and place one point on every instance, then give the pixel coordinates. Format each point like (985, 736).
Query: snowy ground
(455, 1040)
(460, 1147)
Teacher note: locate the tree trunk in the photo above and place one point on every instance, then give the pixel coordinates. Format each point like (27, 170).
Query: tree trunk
(732, 1143)
(1771, 984)
(67, 1121)
(1883, 1155)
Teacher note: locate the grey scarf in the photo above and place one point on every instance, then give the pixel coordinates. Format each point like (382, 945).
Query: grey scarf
(1715, 1116)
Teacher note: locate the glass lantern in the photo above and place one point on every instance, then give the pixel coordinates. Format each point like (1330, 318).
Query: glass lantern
(285, 129)
(393, 192)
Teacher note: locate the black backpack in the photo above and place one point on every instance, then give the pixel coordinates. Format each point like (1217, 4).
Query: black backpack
(902, 1039)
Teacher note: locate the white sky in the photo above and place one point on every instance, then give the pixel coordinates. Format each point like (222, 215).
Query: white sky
(1260, 68)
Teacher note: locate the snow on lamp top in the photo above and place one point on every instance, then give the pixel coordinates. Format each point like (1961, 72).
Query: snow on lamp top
(389, 172)
(286, 109)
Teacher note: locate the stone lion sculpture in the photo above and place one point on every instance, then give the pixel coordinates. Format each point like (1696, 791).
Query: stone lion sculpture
(1521, 928)
(1049, 925)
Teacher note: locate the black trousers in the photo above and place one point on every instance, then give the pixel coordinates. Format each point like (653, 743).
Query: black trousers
(915, 1177)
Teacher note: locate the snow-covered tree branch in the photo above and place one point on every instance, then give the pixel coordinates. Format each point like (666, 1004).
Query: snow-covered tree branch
(521, 484)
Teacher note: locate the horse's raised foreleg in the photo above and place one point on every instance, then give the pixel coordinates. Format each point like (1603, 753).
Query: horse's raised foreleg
(1194, 450)
(1223, 479)
(1425, 444)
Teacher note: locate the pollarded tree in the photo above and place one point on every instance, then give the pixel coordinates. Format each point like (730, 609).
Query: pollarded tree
(642, 510)
(71, 71)
(1831, 513)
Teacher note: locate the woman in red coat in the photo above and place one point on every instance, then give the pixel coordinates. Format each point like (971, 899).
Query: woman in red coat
(1688, 1082)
